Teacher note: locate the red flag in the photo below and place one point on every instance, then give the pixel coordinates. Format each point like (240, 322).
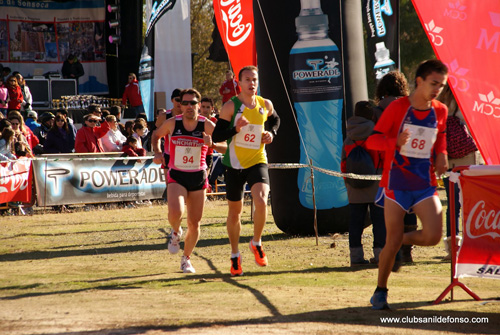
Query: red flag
(236, 27)
(479, 254)
(465, 34)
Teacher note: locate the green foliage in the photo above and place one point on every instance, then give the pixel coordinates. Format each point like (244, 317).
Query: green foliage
(207, 75)
(414, 44)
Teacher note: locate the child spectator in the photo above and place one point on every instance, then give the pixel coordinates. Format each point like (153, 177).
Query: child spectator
(131, 148)
(139, 131)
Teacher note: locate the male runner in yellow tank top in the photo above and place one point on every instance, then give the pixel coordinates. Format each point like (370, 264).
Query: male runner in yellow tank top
(248, 122)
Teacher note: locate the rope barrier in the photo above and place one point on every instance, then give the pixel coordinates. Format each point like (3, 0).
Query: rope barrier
(274, 166)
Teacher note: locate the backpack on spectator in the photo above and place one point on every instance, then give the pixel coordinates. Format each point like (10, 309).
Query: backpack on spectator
(458, 140)
(360, 162)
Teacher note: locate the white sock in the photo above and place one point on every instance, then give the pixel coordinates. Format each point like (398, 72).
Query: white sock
(257, 243)
(235, 255)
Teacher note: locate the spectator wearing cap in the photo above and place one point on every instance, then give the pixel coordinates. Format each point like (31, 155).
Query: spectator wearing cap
(46, 122)
(132, 93)
(31, 120)
(88, 137)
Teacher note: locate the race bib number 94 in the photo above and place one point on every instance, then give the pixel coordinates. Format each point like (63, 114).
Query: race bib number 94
(421, 141)
(187, 158)
(249, 137)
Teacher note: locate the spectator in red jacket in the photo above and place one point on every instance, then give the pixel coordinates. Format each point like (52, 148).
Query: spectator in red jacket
(88, 137)
(133, 94)
(131, 148)
(15, 94)
(229, 88)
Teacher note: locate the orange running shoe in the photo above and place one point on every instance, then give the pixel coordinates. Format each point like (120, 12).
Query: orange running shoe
(258, 252)
(236, 269)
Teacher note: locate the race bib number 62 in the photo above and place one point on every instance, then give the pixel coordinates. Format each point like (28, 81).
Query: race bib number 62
(250, 136)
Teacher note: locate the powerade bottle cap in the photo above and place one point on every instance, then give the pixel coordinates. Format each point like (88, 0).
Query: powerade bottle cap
(382, 52)
(311, 17)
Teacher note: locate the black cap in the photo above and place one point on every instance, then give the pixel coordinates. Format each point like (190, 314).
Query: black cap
(46, 117)
(175, 93)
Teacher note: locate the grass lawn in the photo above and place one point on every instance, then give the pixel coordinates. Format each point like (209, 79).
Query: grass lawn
(109, 272)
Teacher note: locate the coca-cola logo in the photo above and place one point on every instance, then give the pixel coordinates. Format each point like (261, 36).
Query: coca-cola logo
(237, 31)
(15, 177)
(483, 222)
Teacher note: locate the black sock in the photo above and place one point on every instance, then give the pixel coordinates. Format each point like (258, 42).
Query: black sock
(381, 289)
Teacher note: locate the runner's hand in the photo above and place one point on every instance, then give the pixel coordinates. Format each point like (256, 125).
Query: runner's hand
(441, 164)
(159, 159)
(208, 140)
(242, 122)
(267, 137)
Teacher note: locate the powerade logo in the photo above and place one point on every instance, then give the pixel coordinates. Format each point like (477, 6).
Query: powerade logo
(328, 71)
(378, 8)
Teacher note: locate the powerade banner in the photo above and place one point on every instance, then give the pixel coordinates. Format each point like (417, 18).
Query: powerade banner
(381, 21)
(479, 255)
(39, 35)
(15, 181)
(465, 34)
(237, 30)
(96, 181)
(313, 74)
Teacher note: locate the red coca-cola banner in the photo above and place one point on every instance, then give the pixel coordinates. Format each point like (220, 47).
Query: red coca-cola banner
(236, 27)
(479, 255)
(15, 181)
(465, 34)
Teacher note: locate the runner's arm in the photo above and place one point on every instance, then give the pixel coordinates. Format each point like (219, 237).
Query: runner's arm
(223, 130)
(209, 129)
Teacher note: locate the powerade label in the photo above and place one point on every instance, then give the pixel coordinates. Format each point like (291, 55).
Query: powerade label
(316, 75)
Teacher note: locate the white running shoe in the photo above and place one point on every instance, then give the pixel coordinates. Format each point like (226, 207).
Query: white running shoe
(186, 266)
(174, 241)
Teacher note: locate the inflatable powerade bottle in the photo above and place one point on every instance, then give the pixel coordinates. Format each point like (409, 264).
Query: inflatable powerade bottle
(317, 91)
(384, 64)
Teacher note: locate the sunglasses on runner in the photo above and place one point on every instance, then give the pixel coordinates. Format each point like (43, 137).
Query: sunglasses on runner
(192, 103)
(92, 121)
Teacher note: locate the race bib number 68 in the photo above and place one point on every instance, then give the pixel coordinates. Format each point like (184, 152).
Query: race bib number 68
(421, 141)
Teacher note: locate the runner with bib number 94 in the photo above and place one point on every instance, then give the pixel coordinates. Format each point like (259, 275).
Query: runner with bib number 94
(190, 138)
